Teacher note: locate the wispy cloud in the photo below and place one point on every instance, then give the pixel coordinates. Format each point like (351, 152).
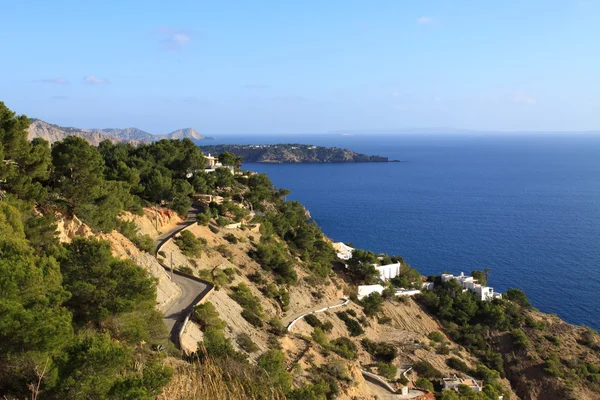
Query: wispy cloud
(425, 20)
(94, 80)
(57, 81)
(524, 98)
(256, 86)
(437, 99)
(174, 39)
(59, 97)
(395, 94)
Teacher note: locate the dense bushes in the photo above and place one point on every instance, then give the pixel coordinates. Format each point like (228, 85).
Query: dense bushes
(344, 347)
(381, 351)
(189, 244)
(352, 325)
(426, 370)
(251, 304)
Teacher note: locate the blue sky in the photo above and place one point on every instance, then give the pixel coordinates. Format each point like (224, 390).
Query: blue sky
(304, 66)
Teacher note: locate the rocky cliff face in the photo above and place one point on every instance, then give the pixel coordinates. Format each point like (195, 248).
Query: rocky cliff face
(53, 133)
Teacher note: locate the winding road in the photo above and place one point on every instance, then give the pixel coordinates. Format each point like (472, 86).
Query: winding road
(192, 290)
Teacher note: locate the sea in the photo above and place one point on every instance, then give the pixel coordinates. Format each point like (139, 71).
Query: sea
(526, 206)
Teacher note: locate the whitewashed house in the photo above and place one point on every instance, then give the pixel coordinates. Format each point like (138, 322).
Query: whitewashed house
(484, 293)
(344, 252)
(387, 272)
(365, 290)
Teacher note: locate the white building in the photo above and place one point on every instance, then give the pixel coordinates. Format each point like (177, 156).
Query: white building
(484, 293)
(427, 286)
(344, 252)
(365, 290)
(212, 163)
(389, 271)
(452, 383)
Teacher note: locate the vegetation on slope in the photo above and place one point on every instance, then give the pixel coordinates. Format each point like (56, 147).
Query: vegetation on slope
(292, 153)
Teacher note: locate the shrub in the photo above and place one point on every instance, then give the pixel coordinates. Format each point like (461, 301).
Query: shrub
(424, 383)
(185, 269)
(222, 221)
(207, 317)
(386, 370)
(189, 244)
(384, 320)
(320, 337)
(518, 296)
(457, 364)
(520, 339)
(203, 218)
(231, 238)
(277, 327)
(425, 369)
(246, 343)
(252, 318)
(223, 251)
(372, 304)
(553, 339)
(436, 337)
(380, 350)
(213, 229)
(352, 325)
(344, 347)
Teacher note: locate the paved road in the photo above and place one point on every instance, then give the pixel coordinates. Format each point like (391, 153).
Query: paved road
(191, 290)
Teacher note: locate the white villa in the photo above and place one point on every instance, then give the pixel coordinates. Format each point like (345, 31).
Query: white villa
(484, 293)
(344, 252)
(389, 271)
(452, 383)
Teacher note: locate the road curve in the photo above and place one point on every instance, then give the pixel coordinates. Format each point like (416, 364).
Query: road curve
(192, 290)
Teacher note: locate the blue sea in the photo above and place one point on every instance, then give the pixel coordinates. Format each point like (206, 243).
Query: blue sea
(527, 206)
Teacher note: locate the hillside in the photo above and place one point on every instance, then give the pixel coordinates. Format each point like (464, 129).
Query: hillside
(292, 153)
(53, 133)
(87, 237)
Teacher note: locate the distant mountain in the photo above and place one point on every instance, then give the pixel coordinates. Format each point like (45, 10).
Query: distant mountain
(53, 133)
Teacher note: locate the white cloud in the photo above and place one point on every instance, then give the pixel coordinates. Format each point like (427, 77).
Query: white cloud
(93, 80)
(58, 81)
(524, 98)
(425, 20)
(175, 39)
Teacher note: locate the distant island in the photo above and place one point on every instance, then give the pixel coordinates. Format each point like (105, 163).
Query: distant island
(293, 154)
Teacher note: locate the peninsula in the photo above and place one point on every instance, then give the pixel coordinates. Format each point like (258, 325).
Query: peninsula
(293, 154)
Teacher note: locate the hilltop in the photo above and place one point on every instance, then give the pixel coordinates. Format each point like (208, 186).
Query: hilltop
(292, 153)
(53, 133)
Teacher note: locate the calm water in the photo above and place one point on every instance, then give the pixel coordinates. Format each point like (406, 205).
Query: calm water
(527, 207)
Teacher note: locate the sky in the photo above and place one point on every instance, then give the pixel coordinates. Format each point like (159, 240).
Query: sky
(305, 66)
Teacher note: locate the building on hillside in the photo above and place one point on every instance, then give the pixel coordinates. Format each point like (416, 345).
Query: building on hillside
(387, 272)
(365, 290)
(343, 251)
(427, 286)
(453, 383)
(484, 293)
(212, 163)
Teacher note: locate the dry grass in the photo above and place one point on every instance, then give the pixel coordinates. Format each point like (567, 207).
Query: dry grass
(222, 379)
